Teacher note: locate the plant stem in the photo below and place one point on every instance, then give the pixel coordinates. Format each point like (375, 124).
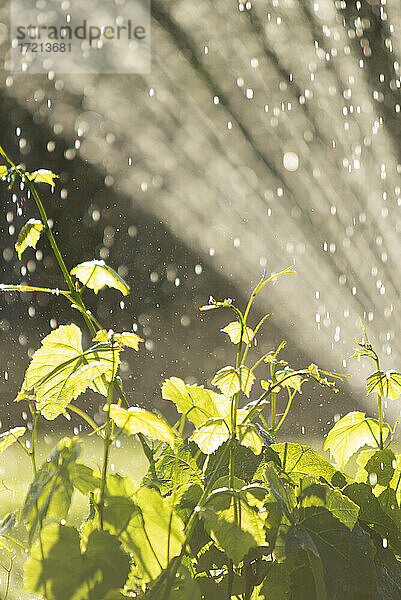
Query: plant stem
(106, 451)
(273, 413)
(84, 416)
(379, 400)
(190, 528)
(380, 411)
(287, 409)
(34, 436)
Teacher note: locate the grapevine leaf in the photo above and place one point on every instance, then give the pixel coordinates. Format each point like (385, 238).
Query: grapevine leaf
(212, 434)
(351, 433)
(49, 494)
(221, 522)
(95, 274)
(276, 584)
(9, 437)
(216, 304)
(230, 381)
(285, 379)
(237, 333)
(84, 478)
(373, 513)
(174, 466)
(346, 556)
(380, 467)
(249, 436)
(197, 403)
(319, 494)
(154, 534)
(60, 370)
(299, 461)
(384, 383)
(28, 236)
(65, 573)
(126, 339)
(138, 420)
(43, 176)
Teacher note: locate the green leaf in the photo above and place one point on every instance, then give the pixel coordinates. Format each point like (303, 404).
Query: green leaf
(346, 556)
(127, 339)
(60, 370)
(373, 514)
(9, 437)
(299, 461)
(84, 478)
(388, 570)
(28, 236)
(233, 522)
(351, 433)
(389, 504)
(216, 304)
(340, 506)
(276, 585)
(145, 524)
(229, 381)
(95, 274)
(154, 534)
(197, 403)
(212, 434)
(380, 467)
(65, 573)
(246, 464)
(305, 571)
(248, 435)
(289, 381)
(384, 383)
(175, 465)
(237, 333)
(42, 176)
(50, 493)
(138, 420)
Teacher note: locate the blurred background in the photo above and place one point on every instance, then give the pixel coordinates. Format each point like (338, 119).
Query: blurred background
(267, 133)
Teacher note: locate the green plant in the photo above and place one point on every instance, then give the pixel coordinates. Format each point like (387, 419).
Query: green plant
(224, 513)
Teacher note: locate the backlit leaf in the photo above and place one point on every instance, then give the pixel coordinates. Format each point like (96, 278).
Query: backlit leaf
(49, 494)
(65, 573)
(235, 332)
(384, 383)
(236, 535)
(175, 465)
(351, 433)
(248, 436)
(3, 171)
(299, 461)
(341, 507)
(126, 339)
(95, 274)
(138, 420)
(28, 236)
(289, 381)
(9, 437)
(230, 381)
(196, 402)
(147, 528)
(60, 370)
(211, 435)
(42, 176)
(216, 304)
